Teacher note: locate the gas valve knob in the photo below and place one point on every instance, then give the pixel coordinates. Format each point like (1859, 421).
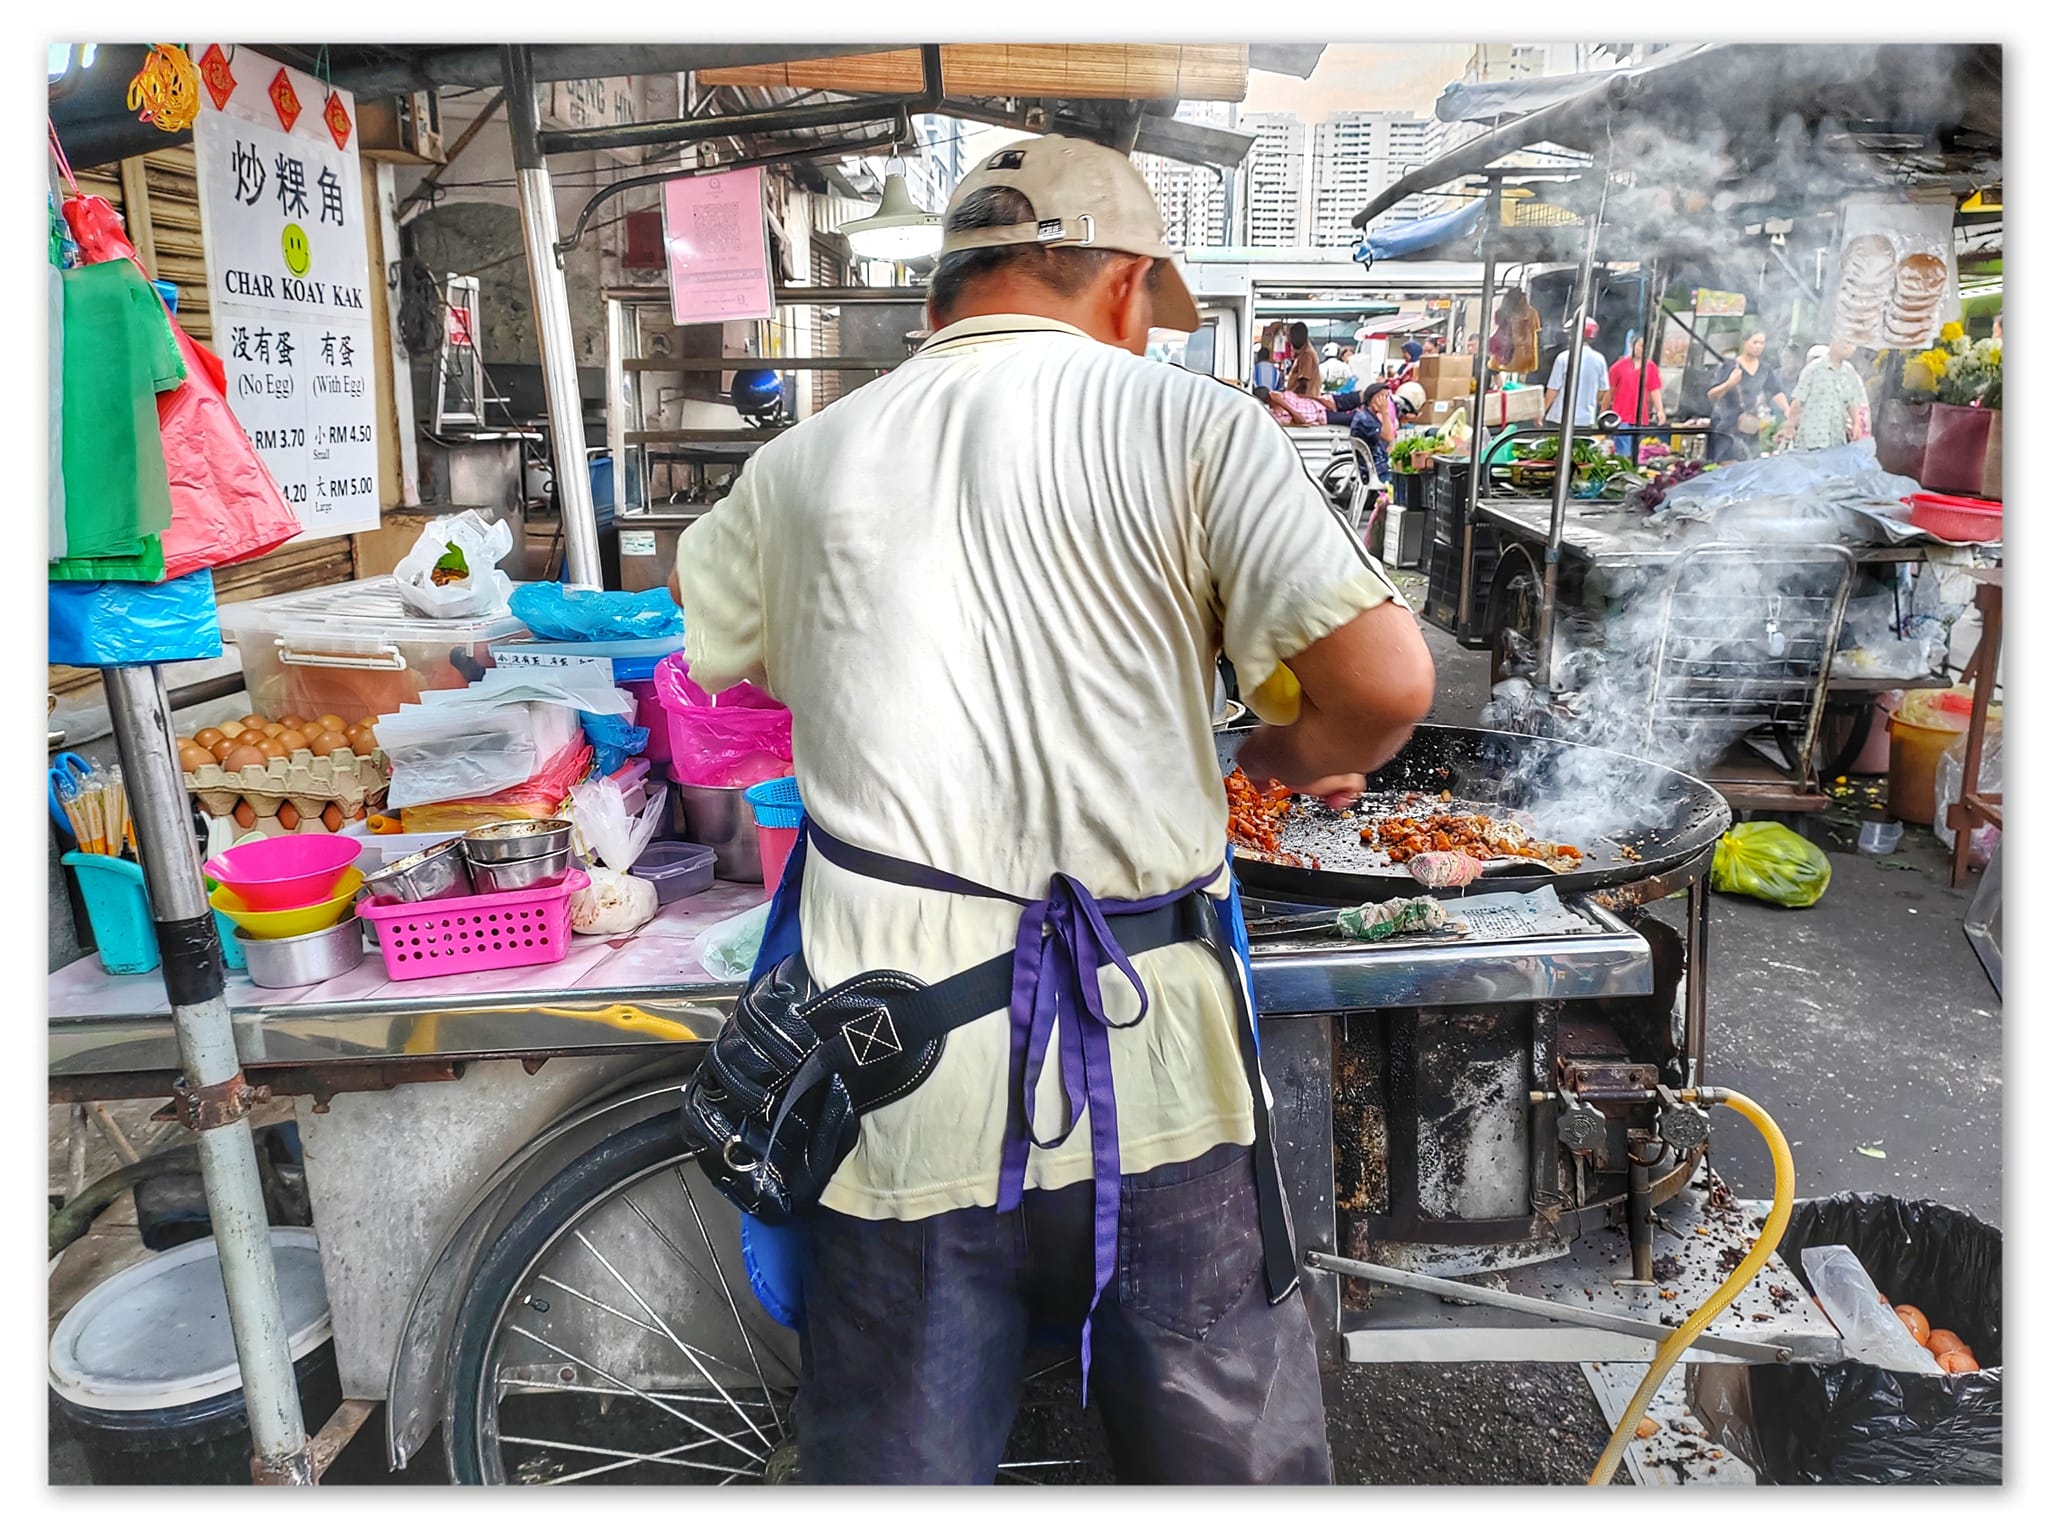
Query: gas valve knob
(1682, 1127)
(1580, 1126)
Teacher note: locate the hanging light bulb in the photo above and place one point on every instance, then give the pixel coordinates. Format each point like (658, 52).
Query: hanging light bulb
(898, 230)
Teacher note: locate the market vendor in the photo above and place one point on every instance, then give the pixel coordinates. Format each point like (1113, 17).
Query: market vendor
(991, 588)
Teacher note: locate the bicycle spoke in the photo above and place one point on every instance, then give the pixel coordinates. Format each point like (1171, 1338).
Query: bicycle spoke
(668, 1458)
(687, 1352)
(524, 1385)
(746, 1333)
(599, 1370)
(564, 1286)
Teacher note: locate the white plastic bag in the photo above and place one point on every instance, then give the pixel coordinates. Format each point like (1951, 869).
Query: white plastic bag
(1948, 788)
(453, 752)
(612, 903)
(608, 830)
(728, 950)
(1871, 1331)
(480, 594)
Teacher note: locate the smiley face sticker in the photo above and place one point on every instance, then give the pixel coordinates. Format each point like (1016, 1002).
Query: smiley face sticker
(298, 255)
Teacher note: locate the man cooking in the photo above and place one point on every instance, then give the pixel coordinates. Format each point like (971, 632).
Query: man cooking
(991, 587)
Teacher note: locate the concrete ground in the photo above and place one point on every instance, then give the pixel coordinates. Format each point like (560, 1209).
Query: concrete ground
(1864, 1024)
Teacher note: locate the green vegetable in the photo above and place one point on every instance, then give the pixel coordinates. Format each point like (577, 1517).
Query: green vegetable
(454, 561)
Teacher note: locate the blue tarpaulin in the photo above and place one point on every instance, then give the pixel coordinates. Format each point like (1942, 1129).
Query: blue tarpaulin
(1415, 236)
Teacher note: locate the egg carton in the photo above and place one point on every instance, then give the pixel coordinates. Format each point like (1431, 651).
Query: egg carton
(344, 778)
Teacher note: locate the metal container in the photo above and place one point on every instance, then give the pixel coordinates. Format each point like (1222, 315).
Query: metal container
(427, 875)
(520, 874)
(512, 842)
(306, 960)
(722, 821)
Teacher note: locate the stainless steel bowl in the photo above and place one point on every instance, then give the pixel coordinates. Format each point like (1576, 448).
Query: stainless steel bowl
(430, 874)
(507, 842)
(305, 960)
(520, 874)
(722, 821)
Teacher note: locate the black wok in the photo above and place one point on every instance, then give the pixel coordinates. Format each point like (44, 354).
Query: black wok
(1571, 792)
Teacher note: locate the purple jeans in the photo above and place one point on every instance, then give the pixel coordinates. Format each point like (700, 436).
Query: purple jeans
(916, 1333)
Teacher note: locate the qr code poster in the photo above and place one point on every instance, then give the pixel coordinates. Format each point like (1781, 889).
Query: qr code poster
(716, 230)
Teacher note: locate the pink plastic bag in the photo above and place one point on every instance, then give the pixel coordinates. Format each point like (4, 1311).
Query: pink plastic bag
(738, 738)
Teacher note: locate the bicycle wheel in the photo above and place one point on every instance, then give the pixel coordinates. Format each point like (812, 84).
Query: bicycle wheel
(611, 1336)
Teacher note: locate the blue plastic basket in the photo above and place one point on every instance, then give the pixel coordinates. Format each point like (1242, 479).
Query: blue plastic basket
(776, 804)
(119, 908)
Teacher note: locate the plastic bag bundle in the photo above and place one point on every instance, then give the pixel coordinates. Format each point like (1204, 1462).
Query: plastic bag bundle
(1388, 919)
(1772, 863)
(1948, 788)
(554, 612)
(614, 738)
(613, 903)
(728, 741)
(727, 950)
(452, 571)
(608, 830)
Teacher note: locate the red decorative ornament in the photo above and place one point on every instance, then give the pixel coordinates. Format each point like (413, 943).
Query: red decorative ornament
(220, 80)
(285, 99)
(337, 120)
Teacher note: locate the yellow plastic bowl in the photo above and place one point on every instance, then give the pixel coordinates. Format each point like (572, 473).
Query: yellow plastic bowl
(293, 921)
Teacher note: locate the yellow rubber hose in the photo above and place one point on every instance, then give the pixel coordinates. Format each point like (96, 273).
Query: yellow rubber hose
(1759, 1255)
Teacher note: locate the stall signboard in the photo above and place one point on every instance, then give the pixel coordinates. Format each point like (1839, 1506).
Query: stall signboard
(715, 228)
(288, 278)
(1711, 303)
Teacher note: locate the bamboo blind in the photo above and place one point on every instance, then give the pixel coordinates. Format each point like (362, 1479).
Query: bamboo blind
(1078, 71)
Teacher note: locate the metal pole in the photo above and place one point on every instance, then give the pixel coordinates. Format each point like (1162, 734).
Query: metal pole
(1475, 474)
(619, 390)
(213, 1098)
(1567, 414)
(551, 325)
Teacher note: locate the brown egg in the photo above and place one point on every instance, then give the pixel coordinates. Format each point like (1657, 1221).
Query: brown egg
(207, 738)
(223, 747)
(243, 757)
(291, 722)
(250, 736)
(288, 816)
(331, 818)
(328, 741)
(363, 740)
(193, 757)
(271, 747)
(232, 728)
(293, 741)
(1941, 1341)
(245, 814)
(331, 723)
(255, 722)
(1957, 1361)
(369, 723)
(1916, 1323)
(271, 729)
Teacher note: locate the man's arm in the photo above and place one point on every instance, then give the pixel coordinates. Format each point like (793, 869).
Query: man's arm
(1365, 686)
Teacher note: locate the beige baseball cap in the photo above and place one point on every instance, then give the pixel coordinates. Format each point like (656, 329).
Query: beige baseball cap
(1083, 194)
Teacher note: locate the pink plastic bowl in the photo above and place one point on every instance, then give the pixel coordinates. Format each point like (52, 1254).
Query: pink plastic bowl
(275, 874)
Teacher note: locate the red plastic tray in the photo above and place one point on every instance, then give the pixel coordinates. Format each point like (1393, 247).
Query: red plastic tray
(1964, 519)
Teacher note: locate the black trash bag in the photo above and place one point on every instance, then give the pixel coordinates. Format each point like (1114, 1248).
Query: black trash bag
(1854, 1423)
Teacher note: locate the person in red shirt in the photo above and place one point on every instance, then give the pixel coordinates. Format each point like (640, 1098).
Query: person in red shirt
(1629, 380)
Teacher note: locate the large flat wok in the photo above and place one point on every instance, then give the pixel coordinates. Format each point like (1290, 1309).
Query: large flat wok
(1571, 792)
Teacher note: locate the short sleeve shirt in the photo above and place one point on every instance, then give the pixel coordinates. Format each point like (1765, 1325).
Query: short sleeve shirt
(1592, 384)
(1829, 396)
(991, 587)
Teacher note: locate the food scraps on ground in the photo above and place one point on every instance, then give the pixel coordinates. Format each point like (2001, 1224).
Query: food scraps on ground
(1647, 1427)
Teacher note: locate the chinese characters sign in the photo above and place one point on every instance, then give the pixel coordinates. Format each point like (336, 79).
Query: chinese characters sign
(288, 274)
(716, 231)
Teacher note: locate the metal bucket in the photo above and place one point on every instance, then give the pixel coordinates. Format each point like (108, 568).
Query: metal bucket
(722, 821)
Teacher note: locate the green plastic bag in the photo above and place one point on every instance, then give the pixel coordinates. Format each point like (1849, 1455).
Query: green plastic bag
(1772, 863)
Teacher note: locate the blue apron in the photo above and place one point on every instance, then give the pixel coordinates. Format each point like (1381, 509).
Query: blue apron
(775, 1255)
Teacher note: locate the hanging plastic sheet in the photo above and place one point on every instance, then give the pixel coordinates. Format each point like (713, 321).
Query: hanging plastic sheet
(56, 399)
(128, 623)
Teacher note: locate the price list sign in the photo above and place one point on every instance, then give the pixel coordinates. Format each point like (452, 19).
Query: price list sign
(288, 279)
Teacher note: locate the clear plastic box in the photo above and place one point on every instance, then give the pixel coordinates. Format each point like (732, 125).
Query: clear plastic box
(353, 650)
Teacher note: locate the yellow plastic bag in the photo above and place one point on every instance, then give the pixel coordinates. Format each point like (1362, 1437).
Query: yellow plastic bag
(1771, 863)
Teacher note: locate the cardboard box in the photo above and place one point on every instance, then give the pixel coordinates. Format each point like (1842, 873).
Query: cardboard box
(1436, 412)
(1450, 374)
(1507, 407)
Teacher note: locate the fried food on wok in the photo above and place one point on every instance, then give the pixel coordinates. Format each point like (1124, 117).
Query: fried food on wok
(1255, 816)
(1401, 838)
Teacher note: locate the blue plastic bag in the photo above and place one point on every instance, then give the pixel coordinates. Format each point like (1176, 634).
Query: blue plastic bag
(132, 623)
(553, 612)
(612, 740)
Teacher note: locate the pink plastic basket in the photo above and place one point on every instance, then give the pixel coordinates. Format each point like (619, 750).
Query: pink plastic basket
(473, 933)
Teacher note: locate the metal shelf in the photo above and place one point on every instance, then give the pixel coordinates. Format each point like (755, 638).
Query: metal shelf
(776, 364)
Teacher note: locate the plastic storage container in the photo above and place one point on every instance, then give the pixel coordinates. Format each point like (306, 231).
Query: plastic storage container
(143, 1368)
(676, 870)
(1926, 723)
(354, 650)
(118, 905)
(473, 933)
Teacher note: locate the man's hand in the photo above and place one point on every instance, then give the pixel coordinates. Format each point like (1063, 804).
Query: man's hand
(1268, 757)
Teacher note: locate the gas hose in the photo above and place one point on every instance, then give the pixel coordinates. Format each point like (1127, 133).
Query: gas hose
(1753, 1262)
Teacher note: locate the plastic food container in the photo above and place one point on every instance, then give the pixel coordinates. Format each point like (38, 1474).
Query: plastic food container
(118, 906)
(1926, 723)
(354, 650)
(473, 933)
(278, 873)
(305, 960)
(676, 870)
(1964, 519)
